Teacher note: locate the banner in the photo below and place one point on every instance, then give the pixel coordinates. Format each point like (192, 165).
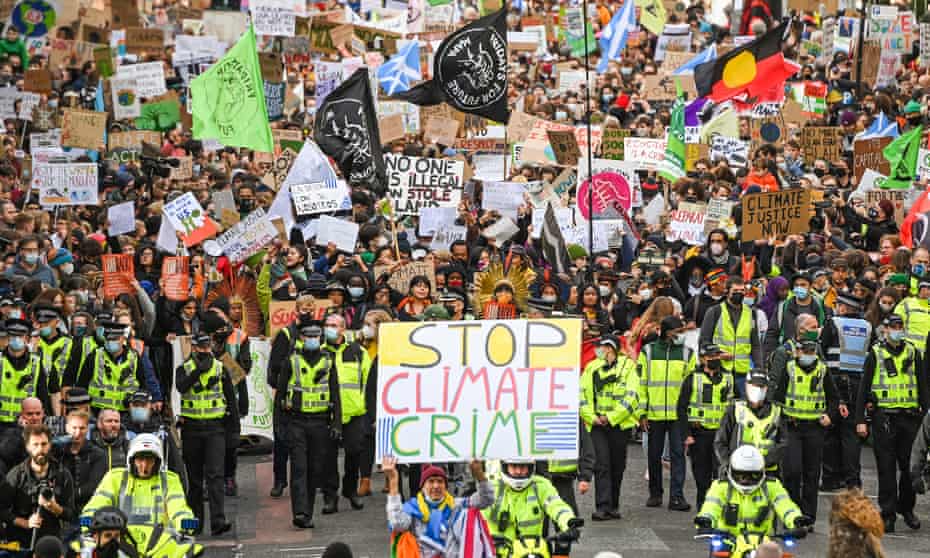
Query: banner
(118, 275)
(491, 389)
(416, 182)
(150, 78)
(186, 216)
(65, 183)
(310, 199)
(247, 237)
(769, 214)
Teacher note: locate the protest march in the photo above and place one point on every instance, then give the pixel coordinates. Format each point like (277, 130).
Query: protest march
(279, 273)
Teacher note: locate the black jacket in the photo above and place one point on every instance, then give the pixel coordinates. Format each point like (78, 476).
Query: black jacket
(26, 496)
(87, 468)
(114, 451)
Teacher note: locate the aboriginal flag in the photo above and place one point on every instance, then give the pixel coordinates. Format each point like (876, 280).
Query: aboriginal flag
(749, 71)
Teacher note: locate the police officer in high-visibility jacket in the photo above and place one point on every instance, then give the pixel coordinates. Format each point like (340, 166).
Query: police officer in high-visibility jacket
(608, 407)
(895, 383)
(312, 402)
(731, 325)
(352, 366)
(754, 421)
(22, 375)
(207, 395)
(115, 370)
(705, 394)
(662, 367)
(804, 388)
(58, 359)
(915, 311)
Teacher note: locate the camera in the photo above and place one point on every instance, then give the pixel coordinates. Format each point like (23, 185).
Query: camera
(158, 166)
(44, 489)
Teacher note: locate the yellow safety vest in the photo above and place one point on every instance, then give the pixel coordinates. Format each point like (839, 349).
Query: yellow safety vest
(313, 395)
(709, 411)
(895, 389)
(353, 375)
(805, 398)
(202, 401)
(916, 315)
(14, 387)
(113, 383)
(755, 431)
(662, 378)
(55, 355)
(738, 343)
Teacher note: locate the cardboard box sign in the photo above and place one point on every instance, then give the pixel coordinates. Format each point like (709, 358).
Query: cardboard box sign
(770, 214)
(144, 39)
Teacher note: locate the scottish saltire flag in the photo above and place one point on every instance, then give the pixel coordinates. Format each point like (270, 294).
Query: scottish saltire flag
(881, 127)
(396, 75)
(613, 37)
(706, 55)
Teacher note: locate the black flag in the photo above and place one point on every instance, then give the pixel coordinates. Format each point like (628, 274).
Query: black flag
(470, 71)
(553, 243)
(346, 129)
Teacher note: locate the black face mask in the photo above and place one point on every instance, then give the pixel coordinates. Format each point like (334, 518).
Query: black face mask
(713, 364)
(736, 298)
(819, 173)
(109, 550)
(246, 205)
(203, 359)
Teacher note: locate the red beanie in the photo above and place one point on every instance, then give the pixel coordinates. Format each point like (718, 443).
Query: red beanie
(430, 471)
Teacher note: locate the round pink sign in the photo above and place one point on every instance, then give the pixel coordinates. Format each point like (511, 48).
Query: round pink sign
(610, 196)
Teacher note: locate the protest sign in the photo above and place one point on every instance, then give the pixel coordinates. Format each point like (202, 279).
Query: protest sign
(274, 99)
(501, 230)
(610, 196)
(174, 271)
(416, 182)
(27, 102)
(769, 214)
(318, 197)
(281, 313)
(867, 154)
(480, 406)
(247, 237)
(733, 150)
(687, 223)
(612, 143)
(122, 218)
(888, 64)
(923, 164)
(273, 17)
(871, 180)
(125, 13)
(662, 88)
(822, 142)
(65, 183)
(645, 153)
(391, 128)
(446, 234)
(149, 40)
(718, 214)
(441, 130)
(150, 78)
(431, 218)
(339, 232)
(489, 166)
(399, 277)
(924, 45)
(187, 217)
(184, 170)
(519, 126)
(871, 59)
(83, 128)
(224, 207)
(38, 81)
(118, 275)
(505, 197)
(328, 76)
(125, 100)
(564, 146)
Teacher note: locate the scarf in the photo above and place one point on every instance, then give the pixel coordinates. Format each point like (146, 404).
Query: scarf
(434, 515)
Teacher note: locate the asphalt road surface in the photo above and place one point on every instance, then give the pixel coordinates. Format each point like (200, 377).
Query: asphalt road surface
(263, 525)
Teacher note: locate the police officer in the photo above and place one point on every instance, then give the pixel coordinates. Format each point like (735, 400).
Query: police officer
(352, 366)
(846, 339)
(207, 395)
(732, 326)
(312, 401)
(22, 374)
(804, 388)
(609, 402)
(143, 420)
(115, 371)
(915, 311)
(662, 367)
(754, 421)
(894, 382)
(705, 394)
(58, 359)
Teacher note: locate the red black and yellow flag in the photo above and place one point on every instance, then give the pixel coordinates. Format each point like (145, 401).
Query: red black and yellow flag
(751, 71)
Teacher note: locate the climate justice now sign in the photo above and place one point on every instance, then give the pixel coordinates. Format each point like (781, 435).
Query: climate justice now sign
(490, 389)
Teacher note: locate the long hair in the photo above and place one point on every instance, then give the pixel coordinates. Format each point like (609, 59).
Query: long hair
(856, 527)
(660, 308)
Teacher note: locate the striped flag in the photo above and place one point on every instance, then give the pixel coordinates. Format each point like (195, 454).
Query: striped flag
(613, 37)
(673, 167)
(475, 535)
(553, 243)
(706, 55)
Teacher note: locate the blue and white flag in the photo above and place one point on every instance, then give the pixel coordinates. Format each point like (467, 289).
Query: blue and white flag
(613, 37)
(881, 127)
(396, 75)
(706, 55)
(311, 166)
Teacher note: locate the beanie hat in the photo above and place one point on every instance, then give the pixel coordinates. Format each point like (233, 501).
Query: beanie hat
(337, 550)
(430, 471)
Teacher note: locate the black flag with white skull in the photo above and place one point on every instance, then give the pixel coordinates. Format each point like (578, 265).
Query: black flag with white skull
(470, 71)
(346, 129)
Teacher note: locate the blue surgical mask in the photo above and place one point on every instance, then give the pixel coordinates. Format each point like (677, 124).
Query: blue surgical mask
(918, 270)
(312, 344)
(113, 347)
(31, 258)
(356, 292)
(139, 414)
(45, 332)
(807, 360)
(800, 292)
(332, 334)
(79, 331)
(17, 344)
(749, 302)
(599, 353)
(896, 335)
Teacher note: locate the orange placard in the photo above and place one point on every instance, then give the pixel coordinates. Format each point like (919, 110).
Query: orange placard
(281, 313)
(118, 274)
(174, 270)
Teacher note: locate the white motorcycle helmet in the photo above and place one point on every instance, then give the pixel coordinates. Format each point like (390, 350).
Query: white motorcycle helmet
(145, 444)
(747, 469)
(521, 482)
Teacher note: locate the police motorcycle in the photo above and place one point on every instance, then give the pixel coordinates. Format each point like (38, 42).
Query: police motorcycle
(722, 544)
(553, 546)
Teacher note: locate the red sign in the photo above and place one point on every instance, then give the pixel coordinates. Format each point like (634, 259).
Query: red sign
(611, 196)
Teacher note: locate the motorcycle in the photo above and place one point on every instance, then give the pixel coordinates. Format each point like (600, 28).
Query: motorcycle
(155, 541)
(553, 546)
(723, 544)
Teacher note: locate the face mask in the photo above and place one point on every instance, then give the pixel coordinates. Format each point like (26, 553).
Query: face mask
(312, 344)
(186, 318)
(807, 360)
(679, 339)
(646, 294)
(713, 364)
(382, 242)
(139, 414)
(704, 27)
(626, 71)
(332, 334)
(46, 332)
(755, 394)
(368, 332)
(53, 103)
(113, 347)
(607, 98)
(246, 205)
(17, 344)
(67, 268)
(896, 335)
(716, 249)
(600, 353)
(561, 115)
(604, 290)
(873, 213)
(886, 307)
(737, 298)
(549, 298)
(109, 550)
(99, 332)
(356, 292)
(819, 173)
(31, 258)
(800, 292)
(918, 270)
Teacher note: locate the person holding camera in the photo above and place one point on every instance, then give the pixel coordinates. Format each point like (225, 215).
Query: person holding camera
(43, 491)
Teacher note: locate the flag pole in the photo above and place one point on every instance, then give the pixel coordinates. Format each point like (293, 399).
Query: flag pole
(587, 111)
(859, 47)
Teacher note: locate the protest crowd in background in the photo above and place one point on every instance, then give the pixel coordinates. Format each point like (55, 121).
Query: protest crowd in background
(226, 224)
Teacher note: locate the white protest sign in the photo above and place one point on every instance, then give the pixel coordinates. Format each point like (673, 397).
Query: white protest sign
(645, 153)
(623, 168)
(416, 182)
(653, 211)
(872, 180)
(122, 218)
(501, 230)
(924, 45)
(125, 99)
(318, 197)
(887, 68)
(44, 140)
(923, 164)
(65, 184)
(27, 102)
(8, 98)
(505, 197)
(431, 218)
(734, 150)
(328, 76)
(687, 223)
(481, 406)
(564, 216)
(338, 231)
(273, 17)
(489, 166)
(150, 78)
(446, 234)
(247, 237)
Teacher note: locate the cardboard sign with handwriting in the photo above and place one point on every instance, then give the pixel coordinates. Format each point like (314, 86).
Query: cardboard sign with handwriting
(103, 58)
(612, 143)
(125, 14)
(770, 214)
(519, 127)
(661, 88)
(272, 69)
(83, 128)
(564, 146)
(867, 154)
(822, 142)
(441, 130)
(144, 39)
(391, 128)
(38, 81)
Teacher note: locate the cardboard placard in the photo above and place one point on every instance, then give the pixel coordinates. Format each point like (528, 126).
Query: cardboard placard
(867, 154)
(118, 275)
(175, 272)
(38, 81)
(236, 373)
(441, 130)
(133, 140)
(392, 128)
(897, 197)
(694, 152)
(399, 278)
(103, 58)
(564, 146)
(272, 68)
(769, 214)
(144, 39)
(871, 60)
(520, 126)
(83, 128)
(281, 313)
(125, 13)
(662, 88)
(612, 143)
(341, 35)
(822, 142)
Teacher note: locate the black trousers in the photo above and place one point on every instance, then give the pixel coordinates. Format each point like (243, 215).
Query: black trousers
(842, 447)
(310, 449)
(354, 441)
(704, 463)
(204, 452)
(280, 448)
(657, 433)
(565, 485)
(893, 434)
(610, 462)
(800, 467)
